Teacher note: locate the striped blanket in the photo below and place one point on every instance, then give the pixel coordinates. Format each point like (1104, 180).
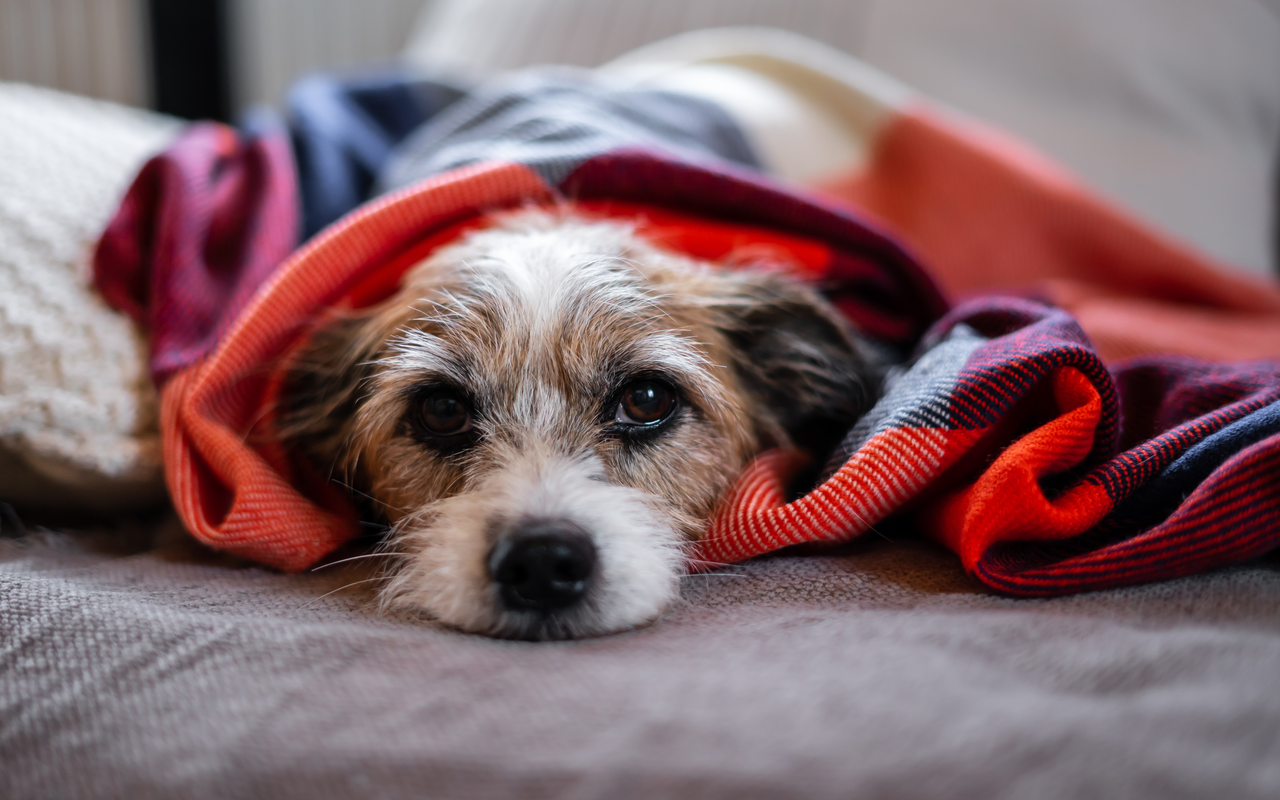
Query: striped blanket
(1006, 434)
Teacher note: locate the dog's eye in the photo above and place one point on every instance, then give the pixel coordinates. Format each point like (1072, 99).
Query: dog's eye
(443, 413)
(645, 403)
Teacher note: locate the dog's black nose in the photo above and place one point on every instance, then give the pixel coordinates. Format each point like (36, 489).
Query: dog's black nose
(543, 566)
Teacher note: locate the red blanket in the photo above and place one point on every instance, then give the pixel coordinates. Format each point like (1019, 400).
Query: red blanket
(1010, 437)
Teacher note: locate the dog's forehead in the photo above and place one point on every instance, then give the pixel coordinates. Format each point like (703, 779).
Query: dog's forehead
(575, 306)
(556, 279)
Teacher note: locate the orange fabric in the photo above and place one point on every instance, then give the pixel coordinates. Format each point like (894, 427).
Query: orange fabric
(713, 240)
(236, 492)
(710, 240)
(986, 213)
(1007, 501)
(890, 469)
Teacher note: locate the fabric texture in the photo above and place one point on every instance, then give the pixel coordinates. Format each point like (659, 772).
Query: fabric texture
(343, 131)
(879, 672)
(551, 120)
(989, 215)
(203, 226)
(1006, 438)
(78, 415)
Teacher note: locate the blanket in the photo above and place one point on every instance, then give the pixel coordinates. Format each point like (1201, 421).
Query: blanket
(984, 211)
(1007, 435)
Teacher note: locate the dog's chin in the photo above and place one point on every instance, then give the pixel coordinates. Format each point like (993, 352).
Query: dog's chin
(449, 547)
(543, 627)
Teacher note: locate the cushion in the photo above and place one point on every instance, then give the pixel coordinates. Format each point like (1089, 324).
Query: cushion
(78, 419)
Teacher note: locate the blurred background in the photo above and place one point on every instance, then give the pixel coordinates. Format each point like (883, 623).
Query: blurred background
(1170, 108)
(194, 58)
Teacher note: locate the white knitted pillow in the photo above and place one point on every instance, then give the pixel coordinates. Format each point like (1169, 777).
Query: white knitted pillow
(78, 421)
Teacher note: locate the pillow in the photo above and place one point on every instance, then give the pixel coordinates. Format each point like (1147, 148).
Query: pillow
(78, 417)
(1170, 108)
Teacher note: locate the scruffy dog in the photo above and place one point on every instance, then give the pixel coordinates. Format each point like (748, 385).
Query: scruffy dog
(548, 411)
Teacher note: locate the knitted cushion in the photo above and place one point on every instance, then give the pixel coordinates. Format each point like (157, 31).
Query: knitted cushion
(78, 421)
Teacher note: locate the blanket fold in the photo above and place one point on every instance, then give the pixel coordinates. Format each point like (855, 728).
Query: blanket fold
(1007, 440)
(344, 130)
(202, 227)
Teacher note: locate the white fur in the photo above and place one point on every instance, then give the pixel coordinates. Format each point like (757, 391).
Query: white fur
(638, 555)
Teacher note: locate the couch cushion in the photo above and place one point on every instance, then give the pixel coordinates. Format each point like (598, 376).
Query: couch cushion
(881, 671)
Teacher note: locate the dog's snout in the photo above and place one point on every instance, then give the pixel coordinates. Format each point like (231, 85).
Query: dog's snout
(543, 566)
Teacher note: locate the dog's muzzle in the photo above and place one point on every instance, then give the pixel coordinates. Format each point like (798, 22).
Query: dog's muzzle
(543, 566)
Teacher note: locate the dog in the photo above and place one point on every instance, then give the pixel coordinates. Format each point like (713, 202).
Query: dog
(547, 412)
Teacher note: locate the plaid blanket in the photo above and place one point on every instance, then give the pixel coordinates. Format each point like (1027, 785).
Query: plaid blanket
(1004, 435)
(1016, 447)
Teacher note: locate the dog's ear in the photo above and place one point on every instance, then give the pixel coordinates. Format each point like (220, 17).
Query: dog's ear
(805, 365)
(325, 381)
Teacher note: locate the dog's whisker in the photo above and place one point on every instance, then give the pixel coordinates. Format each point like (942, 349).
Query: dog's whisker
(354, 558)
(700, 562)
(368, 496)
(868, 526)
(335, 591)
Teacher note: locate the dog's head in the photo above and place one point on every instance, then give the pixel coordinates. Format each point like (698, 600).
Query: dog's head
(548, 411)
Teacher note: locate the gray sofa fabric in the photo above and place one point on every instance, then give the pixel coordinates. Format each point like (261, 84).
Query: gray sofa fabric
(877, 671)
